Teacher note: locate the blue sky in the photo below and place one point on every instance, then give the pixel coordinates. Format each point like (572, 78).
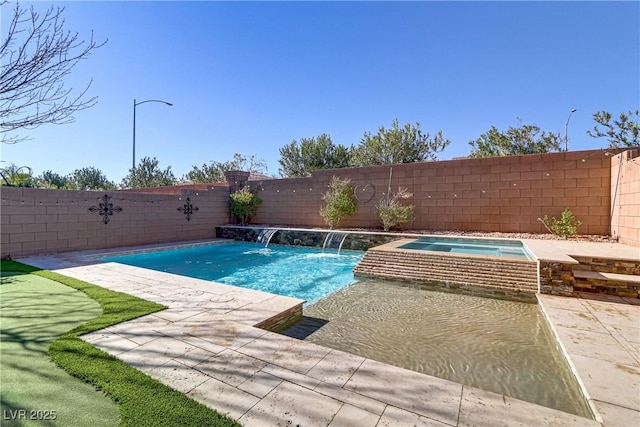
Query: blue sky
(250, 77)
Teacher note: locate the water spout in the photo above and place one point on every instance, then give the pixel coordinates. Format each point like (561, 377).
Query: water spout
(266, 235)
(336, 237)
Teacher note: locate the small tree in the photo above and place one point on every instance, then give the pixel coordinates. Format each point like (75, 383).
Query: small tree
(623, 132)
(340, 202)
(51, 179)
(397, 145)
(88, 178)
(148, 174)
(16, 176)
(566, 226)
(393, 212)
(244, 204)
(299, 159)
(524, 139)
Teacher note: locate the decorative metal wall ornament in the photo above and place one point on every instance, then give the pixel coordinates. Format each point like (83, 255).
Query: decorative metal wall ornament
(105, 208)
(364, 193)
(188, 209)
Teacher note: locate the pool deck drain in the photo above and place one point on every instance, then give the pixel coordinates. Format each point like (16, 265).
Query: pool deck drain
(206, 346)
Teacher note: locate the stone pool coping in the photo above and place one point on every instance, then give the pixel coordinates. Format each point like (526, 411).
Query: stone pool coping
(206, 346)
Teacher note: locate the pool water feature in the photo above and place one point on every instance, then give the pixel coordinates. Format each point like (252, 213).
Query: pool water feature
(488, 247)
(301, 272)
(496, 345)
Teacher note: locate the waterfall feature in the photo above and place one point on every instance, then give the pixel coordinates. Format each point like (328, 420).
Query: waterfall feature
(266, 235)
(334, 240)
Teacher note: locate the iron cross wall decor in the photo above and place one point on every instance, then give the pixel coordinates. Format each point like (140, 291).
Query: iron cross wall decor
(188, 209)
(105, 208)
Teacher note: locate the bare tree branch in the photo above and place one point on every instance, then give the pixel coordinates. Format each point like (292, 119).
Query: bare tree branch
(36, 56)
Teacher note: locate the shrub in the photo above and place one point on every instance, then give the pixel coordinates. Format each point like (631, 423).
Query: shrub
(244, 204)
(340, 202)
(392, 212)
(566, 226)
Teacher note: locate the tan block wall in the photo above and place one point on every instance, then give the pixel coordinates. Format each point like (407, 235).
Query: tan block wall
(36, 221)
(505, 194)
(625, 197)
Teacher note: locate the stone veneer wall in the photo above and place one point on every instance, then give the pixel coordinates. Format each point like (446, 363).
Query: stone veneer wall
(298, 237)
(625, 197)
(472, 274)
(558, 278)
(36, 221)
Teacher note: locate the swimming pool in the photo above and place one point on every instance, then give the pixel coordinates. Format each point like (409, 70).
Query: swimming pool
(489, 247)
(302, 272)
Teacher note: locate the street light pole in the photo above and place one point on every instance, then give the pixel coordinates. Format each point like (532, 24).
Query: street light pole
(566, 127)
(135, 104)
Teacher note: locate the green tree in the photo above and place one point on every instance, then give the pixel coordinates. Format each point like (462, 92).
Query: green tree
(17, 176)
(340, 202)
(244, 204)
(214, 171)
(566, 226)
(300, 159)
(397, 145)
(50, 179)
(392, 212)
(251, 164)
(36, 55)
(89, 178)
(524, 139)
(620, 133)
(148, 174)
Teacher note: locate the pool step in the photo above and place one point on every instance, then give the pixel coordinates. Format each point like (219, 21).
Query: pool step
(512, 276)
(594, 281)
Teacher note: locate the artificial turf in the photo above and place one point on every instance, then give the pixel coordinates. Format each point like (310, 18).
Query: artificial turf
(141, 400)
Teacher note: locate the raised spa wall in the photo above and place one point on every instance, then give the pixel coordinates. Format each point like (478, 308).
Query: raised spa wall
(304, 237)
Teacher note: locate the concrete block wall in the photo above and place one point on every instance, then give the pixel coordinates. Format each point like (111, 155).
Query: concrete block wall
(506, 194)
(36, 221)
(625, 197)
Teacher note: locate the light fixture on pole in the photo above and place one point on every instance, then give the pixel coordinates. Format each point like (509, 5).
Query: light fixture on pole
(135, 104)
(566, 127)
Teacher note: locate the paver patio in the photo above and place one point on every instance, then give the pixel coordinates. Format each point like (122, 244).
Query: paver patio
(206, 346)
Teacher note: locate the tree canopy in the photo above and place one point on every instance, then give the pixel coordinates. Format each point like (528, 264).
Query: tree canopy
(36, 56)
(300, 159)
(620, 133)
(397, 145)
(51, 179)
(148, 174)
(89, 178)
(214, 171)
(524, 139)
(17, 176)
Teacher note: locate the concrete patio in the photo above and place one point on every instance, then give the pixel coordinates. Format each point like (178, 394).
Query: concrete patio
(206, 346)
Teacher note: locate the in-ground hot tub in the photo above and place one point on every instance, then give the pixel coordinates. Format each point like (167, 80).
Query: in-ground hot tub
(492, 267)
(487, 247)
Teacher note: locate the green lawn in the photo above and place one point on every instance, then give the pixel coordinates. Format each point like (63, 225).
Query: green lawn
(42, 315)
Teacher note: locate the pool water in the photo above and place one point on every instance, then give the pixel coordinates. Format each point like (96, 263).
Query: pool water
(496, 345)
(300, 272)
(501, 248)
